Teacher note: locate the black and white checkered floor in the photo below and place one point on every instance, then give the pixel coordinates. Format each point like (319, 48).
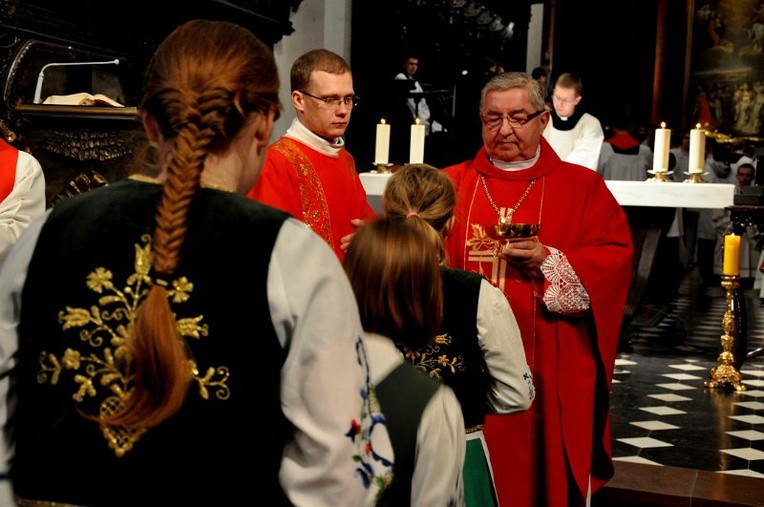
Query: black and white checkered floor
(663, 414)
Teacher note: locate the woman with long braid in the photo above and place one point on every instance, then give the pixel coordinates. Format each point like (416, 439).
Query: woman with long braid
(143, 323)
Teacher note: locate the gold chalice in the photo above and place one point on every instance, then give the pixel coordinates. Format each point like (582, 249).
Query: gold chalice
(508, 231)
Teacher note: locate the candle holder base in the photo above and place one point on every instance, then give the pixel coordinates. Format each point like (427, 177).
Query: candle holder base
(381, 169)
(725, 375)
(694, 177)
(660, 175)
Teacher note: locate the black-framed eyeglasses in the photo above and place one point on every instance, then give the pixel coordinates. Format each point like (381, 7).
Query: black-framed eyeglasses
(348, 100)
(495, 121)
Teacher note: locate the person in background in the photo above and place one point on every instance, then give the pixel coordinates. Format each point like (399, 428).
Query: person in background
(22, 200)
(22, 194)
(667, 273)
(685, 225)
(622, 157)
(395, 276)
(478, 350)
(567, 286)
(308, 172)
(746, 155)
(418, 106)
(540, 74)
(749, 249)
(681, 152)
(716, 170)
(575, 135)
(143, 365)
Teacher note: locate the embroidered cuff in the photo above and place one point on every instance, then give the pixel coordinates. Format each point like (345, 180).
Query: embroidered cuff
(565, 293)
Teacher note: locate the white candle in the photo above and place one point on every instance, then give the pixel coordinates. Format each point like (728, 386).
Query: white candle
(661, 149)
(416, 149)
(382, 147)
(697, 150)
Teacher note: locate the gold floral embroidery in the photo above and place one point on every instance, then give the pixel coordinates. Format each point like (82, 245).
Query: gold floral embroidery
(431, 361)
(104, 328)
(482, 241)
(315, 210)
(484, 251)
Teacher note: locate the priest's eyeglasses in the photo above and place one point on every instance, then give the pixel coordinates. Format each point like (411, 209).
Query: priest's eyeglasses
(495, 121)
(348, 100)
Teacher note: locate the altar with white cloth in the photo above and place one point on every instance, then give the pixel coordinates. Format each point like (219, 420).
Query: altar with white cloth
(627, 193)
(649, 205)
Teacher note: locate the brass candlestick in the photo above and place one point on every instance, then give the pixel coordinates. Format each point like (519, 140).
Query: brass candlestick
(381, 168)
(694, 178)
(725, 374)
(660, 175)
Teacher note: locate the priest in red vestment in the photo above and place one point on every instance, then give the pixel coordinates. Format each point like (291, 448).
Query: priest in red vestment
(308, 172)
(567, 287)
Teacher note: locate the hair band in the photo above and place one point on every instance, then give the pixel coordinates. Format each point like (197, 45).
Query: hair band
(413, 214)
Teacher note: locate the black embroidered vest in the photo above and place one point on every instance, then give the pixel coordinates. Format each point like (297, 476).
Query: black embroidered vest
(455, 356)
(86, 278)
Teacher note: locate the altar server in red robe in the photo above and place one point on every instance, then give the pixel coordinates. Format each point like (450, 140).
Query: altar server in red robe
(22, 193)
(308, 172)
(567, 286)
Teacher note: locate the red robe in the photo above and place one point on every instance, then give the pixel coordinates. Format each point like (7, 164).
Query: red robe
(323, 191)
(571, 357)
(9, 157)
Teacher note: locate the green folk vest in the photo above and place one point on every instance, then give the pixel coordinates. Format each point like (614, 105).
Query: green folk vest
(403, 396)
(86, 278)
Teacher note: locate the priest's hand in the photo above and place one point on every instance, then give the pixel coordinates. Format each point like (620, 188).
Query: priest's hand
(345, 240)
(525, 254)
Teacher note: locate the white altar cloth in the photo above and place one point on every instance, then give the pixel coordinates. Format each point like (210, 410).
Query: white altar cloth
(664, 194)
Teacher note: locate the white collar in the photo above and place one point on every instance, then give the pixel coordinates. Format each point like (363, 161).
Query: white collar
(301, 133)
(516, 166)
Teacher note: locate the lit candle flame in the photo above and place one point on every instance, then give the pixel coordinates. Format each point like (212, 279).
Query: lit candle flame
(416, 121)
(663, 124)
(697, 125)
(382, 121)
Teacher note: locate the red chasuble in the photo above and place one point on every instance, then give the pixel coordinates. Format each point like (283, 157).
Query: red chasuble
(572, 357)
(9, 156)
(324, 192)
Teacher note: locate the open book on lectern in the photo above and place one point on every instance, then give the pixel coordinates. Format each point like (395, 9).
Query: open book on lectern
(82, 99)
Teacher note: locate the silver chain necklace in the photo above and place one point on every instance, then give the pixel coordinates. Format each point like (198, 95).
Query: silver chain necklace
(511, 211)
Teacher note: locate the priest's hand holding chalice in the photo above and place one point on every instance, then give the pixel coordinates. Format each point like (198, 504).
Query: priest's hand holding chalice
(519, 244)
(507, 231)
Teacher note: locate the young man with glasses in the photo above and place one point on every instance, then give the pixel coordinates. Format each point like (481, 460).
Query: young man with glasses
(308, 172)
(567, 285)
(576, 136)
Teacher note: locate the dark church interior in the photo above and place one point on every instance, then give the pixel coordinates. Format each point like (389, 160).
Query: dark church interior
(676, 442)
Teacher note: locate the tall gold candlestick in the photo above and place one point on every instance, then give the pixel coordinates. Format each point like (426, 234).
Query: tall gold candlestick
(725, 375)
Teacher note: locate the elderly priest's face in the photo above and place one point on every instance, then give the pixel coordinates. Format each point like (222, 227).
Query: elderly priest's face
(510, 141)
